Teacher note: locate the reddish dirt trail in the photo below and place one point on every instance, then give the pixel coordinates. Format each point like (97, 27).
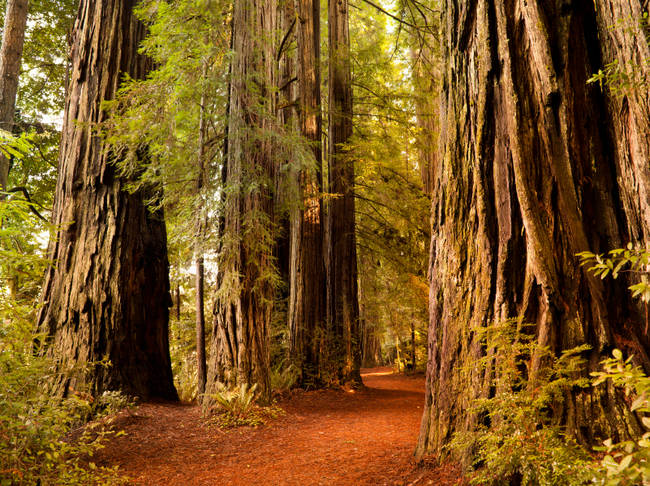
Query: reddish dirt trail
(326, 438)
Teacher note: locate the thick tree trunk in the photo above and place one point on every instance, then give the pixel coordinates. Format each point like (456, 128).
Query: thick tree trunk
(11, 53)
(307, 298)
(343, 344)
(107, 296)
(535, 166)
(245, 283)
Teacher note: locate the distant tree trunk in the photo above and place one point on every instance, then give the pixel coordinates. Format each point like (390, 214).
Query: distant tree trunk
(107, 297)
(198, 252)
(245, 288)
(178, 302)
(426, 79)
(344, 348)
(539, 166)
(200, 326)
(413, 359)
(11, 53)
(307, 299)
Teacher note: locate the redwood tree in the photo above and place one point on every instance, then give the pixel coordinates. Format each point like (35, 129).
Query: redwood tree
(535, 166)
(307, 289)
(11, 52)
(245, 282)
(106, 296)
(343, 347)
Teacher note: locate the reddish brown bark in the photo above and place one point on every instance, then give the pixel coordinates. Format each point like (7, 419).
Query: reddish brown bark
(307, 296)
(107, 296)
(245, 288)
(343, 347)
(535, 166)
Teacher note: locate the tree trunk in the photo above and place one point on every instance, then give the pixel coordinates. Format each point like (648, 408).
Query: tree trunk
(343, 346)
(536, 168)
(413, 358)
(107, 297)
(198, 252)
(200, 327)
(245, 283)
(11, 53)
(178, 302)
(307, 298)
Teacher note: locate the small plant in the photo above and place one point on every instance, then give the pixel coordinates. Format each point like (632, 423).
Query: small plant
(631, 260)
(236, 407)
(284, 378)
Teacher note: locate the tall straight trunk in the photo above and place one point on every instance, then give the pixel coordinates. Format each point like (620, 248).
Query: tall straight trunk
(245, 283)
(413, 358)
(178, 302)
(343, 348)
(198, 252)
(107, 296)
(538, 168)
(11, 53)
(307, 300)
(200, 325)
(287, 185)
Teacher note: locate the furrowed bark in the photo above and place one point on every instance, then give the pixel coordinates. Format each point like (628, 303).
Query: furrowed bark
(307, 298)
(535, 166)
(245, 287)
(343, 347)
(107, 295)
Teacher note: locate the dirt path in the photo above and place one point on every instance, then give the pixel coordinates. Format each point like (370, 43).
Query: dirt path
(326, 438)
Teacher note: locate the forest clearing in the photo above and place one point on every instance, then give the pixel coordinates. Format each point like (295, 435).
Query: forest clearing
(325, 242)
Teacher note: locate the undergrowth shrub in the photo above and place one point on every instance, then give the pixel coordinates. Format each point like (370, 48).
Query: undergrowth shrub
(284, 378)
(627, 462)
(517, 440)
(44, 441)
(236, 407)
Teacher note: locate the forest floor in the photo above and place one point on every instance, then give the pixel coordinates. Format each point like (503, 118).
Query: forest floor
(326, 437)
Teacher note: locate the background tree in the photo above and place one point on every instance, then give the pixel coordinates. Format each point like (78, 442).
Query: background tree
(11, 52)
(534, 170)
(107, 297)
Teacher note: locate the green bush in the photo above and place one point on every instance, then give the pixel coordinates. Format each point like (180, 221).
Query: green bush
(516, 440)
(43, 440)
(627, 462)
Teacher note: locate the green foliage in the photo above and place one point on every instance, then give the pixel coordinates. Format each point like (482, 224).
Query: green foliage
(43, 440)
(627, 462)
(392, 211)
(627, 77)
(635, 261)
(236, 407)
(517, 438)
(182, 344)
(284, 378)
(43, 75)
